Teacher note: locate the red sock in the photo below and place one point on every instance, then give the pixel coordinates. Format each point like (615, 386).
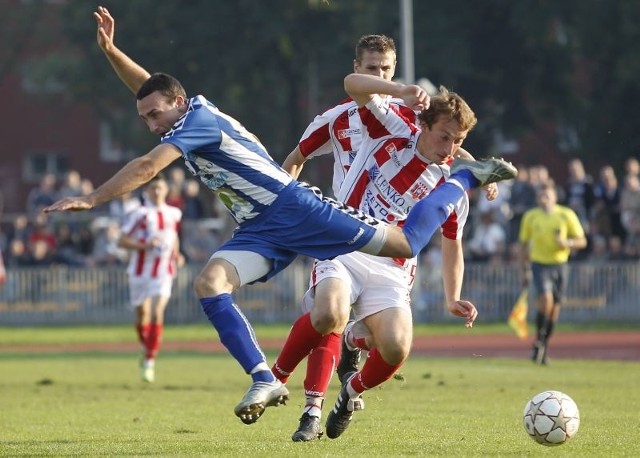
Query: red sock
(301, 340)
(153, 341)
(320, 365)
(143, 333)
(360, 343)
(357, 342)
(374, 372)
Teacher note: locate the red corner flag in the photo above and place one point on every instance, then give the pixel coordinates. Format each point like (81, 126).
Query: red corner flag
(518, 315)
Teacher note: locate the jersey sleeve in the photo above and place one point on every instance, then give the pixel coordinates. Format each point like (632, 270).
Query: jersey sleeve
(132, 220)
(574, 228)
(315, 140)
(195, 129)
(381, 118)
(525, 227)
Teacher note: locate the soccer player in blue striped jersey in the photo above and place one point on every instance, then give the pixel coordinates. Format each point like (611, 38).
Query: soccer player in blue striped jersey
(278, 217)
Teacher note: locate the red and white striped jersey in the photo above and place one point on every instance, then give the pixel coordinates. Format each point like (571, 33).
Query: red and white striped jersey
(336, 131)
(150, 222)
(389, 175)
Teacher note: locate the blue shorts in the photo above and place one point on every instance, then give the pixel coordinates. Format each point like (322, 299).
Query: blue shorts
(303, 222)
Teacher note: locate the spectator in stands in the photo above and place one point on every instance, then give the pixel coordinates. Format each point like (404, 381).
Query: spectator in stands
(630, 214)
(599, 253)
(71, 185)
(16, 254)
(176, 181)
(579, 191)
(500, 206)
(522, 198)
(606, 215)
(42, 231)
(43, 195)
(86, 241)
(66, 251)
(193, 205)
(175, 198)
(39, 254)
(488, 241)
(616, 249)
(86, 187)
(199, 243)
(20, 229)
(632, 167)
(547, 235)
(107, 251)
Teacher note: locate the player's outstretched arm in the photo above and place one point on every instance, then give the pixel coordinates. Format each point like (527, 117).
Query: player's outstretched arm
(131, 74)
(452, 275)
(130, 177)
(294, 162)
(363, 87)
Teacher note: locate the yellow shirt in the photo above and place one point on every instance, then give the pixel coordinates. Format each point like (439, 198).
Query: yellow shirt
(541, 230)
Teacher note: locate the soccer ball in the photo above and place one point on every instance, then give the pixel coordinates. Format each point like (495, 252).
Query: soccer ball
(551, 418)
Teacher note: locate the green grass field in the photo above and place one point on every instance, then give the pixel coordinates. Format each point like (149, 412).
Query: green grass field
(86, 404)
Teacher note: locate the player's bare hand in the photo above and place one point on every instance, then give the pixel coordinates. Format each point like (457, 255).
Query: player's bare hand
(464, 309)
(415, 97)
(71, 204)
(491, 191)
(106, 28)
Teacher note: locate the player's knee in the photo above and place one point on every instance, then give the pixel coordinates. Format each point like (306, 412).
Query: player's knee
(326, 320)
(204, 286)
(395, 351)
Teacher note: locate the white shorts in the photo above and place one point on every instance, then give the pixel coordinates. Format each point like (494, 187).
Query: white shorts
(375, 283)
(141, 288)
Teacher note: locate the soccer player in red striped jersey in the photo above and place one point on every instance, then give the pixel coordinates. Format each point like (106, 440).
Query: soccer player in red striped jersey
(336, 131)
(151, 234)
(392, 171)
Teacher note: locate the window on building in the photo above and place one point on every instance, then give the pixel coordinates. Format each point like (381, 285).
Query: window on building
(37, 164)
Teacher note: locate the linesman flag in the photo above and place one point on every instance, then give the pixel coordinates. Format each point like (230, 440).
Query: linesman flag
(518, 315)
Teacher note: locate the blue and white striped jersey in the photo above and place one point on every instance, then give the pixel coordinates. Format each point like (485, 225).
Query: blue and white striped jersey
(227, 159)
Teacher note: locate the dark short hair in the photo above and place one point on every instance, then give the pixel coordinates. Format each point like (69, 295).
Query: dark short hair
(163, 83)
(374, 43)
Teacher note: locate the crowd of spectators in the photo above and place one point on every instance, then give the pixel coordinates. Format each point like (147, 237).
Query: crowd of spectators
(608, 207)
(34, 238)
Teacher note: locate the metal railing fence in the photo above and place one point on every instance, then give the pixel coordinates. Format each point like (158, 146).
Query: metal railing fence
(608, 292)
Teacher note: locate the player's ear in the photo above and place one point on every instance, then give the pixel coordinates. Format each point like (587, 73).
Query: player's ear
(180, 101)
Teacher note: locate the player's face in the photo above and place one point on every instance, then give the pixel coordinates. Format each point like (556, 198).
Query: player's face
(160, 112)
(157, 191)
(547, 198)
(440, 143)
(378, 64)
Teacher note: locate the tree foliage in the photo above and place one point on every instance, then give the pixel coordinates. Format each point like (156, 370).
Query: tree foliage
(557, 76)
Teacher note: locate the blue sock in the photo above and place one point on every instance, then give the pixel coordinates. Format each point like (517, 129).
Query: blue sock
(235, 331)
(430, 213)
(465, 178)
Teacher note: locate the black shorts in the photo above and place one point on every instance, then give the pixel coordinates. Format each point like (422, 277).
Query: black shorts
(550, 277)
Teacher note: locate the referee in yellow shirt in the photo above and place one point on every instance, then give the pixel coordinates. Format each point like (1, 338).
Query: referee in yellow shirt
(548, 233)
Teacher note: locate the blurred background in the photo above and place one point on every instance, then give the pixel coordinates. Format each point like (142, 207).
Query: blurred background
(554, 84)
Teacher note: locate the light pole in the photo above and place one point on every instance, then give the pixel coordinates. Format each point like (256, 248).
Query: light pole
(406, 27)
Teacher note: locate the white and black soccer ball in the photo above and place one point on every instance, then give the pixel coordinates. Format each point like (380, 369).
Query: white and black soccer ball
(551, 418)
